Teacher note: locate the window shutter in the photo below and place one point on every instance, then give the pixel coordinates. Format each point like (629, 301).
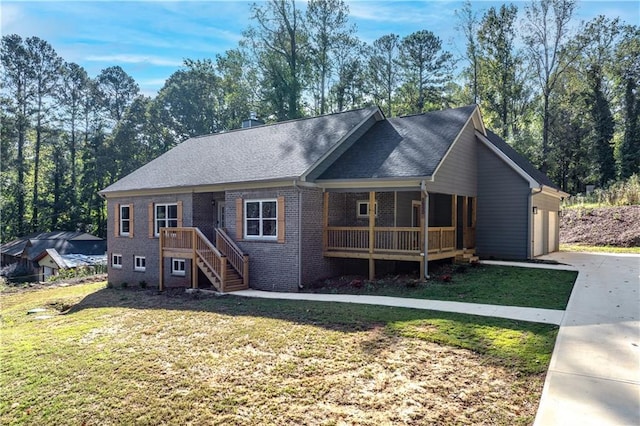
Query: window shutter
(239, 221)
(131, 215)
(281, 219)
(179, 214)
(151, 233)
(116, 220)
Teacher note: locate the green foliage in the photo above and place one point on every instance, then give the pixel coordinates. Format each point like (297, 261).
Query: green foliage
(623, 193)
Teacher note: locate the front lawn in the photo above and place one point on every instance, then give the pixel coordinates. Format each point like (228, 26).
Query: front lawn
(116, 356)
(490, 284)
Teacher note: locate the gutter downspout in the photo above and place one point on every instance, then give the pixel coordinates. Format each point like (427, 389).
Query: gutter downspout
(531, 220)
(297, 188)
(423, 188)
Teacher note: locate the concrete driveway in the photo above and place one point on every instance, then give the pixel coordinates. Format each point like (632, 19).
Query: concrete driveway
(594, 375)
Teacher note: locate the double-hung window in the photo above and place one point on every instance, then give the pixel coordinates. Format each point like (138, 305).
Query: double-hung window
(261, 219)
(125, 219)
(166, 216)
(116, 261)
(363, 209)
(139, 263)
(178, 267)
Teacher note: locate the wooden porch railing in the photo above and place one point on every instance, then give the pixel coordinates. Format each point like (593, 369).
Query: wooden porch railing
(236, 257)
(397, 239)
(389, 239)
(191, 243)
(442, 239)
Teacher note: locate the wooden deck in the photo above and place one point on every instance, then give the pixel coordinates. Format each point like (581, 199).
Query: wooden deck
(224, 264)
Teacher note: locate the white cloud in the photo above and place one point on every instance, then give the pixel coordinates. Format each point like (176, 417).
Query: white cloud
(135, 59)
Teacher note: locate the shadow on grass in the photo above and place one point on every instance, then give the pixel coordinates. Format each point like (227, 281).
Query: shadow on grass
(484, 335)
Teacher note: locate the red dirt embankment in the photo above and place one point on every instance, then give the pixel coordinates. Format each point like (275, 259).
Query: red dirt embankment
(601, 226)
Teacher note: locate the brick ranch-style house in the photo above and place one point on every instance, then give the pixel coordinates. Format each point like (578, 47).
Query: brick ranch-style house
(278, 206)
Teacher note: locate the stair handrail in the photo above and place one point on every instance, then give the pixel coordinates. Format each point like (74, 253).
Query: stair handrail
(234, 254)
(218, 263)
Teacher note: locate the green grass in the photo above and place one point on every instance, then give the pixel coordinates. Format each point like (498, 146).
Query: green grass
(599, 249)
(138, 357)
(490, 284)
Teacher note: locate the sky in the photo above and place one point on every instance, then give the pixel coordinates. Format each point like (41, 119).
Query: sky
(150, 39)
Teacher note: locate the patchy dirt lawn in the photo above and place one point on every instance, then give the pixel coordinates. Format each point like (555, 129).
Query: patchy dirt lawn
(602, 226)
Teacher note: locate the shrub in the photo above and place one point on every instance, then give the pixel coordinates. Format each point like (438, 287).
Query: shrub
(110, 284)
(124, 284)
(142, 284)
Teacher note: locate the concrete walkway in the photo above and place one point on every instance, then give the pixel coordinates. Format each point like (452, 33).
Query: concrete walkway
(548, 316)
(594, 374)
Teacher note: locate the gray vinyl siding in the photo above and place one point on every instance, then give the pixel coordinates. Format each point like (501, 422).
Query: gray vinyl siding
(457, 173)
(142, 245)
(404, 206)
(502, 227)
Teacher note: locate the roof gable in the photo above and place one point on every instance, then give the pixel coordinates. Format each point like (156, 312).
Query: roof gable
(273, 152)
(411, 146)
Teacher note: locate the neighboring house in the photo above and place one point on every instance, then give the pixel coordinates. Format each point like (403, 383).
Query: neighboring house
(42, 254)
(279, 206)
(51, 262)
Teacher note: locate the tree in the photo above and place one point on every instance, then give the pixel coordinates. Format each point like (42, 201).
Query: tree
(280, 45)
(598, 40)
(547, 34)
(383, 59)
(75, 88)
(16, 81)
(327, 23)
(627, 70)
(46, 65)
(499, 85)
(117, 90)
(348, 90)
(191, 100)
(468, 25)
(425, 69)
(239, 88)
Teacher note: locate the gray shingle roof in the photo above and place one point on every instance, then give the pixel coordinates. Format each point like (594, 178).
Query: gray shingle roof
(262, 153)
(63, 241)
(522, 162)
(411, 146)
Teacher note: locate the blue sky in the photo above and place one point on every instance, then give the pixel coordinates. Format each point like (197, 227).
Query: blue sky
(150, 39)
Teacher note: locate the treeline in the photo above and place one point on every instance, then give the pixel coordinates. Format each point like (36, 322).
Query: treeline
(565, 94)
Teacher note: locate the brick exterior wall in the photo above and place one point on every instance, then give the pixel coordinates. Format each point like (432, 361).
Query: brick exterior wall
(205, 212)
(272, 266)
(141, 244)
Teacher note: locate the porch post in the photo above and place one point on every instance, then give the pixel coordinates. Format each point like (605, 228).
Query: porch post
(194, 265)
(423, 234)
(465, 221)
(454, 220)
(160, 242)
(372, 237)
(325, 222)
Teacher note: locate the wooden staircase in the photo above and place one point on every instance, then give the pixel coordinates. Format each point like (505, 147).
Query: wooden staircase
(467, 256)
(224, 265)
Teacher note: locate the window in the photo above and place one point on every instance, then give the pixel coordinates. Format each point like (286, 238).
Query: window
(166, 217)
(125, 219)
(116, 261)
(178, 267)
(139, 263)
(261, 219)
(363, 209)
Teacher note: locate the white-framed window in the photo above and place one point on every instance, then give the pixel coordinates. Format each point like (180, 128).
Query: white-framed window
(125, 219)
(166, 216)
(139, 263)
(178, 267)
(362, 209)
(116, 261)
(261, 219)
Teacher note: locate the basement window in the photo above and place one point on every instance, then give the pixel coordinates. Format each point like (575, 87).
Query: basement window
(139, 263)
(116, 261)
(178, 267)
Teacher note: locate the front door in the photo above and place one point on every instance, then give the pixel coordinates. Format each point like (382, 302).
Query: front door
(220, 223)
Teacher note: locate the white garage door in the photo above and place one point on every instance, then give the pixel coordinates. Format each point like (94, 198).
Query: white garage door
(538, 233)
(553, 231)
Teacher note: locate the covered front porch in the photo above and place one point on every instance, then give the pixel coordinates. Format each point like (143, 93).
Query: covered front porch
(394, 229)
